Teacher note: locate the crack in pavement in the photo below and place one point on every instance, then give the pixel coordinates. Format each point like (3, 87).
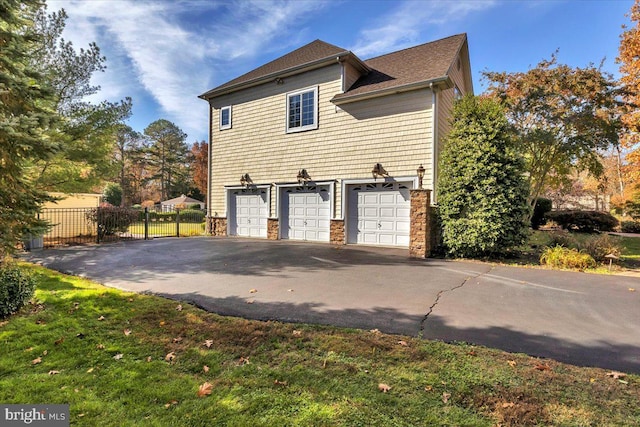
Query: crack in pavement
(437, 300)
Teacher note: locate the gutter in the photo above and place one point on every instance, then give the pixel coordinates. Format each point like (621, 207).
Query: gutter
(439, 81)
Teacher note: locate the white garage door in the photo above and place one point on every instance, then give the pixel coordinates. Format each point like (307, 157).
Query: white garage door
(248, 213)
(379, 214)
(305, 213)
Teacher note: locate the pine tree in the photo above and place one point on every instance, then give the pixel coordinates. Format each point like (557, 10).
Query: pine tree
(482, 191)
(27, 121)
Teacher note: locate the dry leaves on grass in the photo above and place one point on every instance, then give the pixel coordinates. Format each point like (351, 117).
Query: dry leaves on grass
(208, 343)
(118, 356)
(512, 363)
(53, 372)
(383, 387)
(542, 367)
(243, 361)
(179, 307)
(205, 389)
(205, 368)
(127, 332)
(170, 357)
(280, 383)
(36, 360)
(403, 343)
(445, 397)
(59, 341)
(169, 404)
(616, 375)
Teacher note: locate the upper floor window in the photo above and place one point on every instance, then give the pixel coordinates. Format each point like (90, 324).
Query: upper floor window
(302, 110)
(225, 118)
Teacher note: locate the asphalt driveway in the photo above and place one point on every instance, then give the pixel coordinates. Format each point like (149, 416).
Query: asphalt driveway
(584, 319)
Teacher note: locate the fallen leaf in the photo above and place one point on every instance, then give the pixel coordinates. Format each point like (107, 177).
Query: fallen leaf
(28, 349)
(253, 291)
(250, 301)
(118, 356)
(375, 331)
(80, 335)
(168, 404)
(205, 389)
(383, 387)
(208, 343)
(542, 367)
(52, 372)
(170, 356)
(512, 363)
(282, 383)
(403, 343)
(80, 415)
(632, 289)
(179, 307)
(446, 396)
(100, 347)
(297, 333)
(36, 360)
(616, 375)
(592, 380)
(101, 318)
(205, 368)
(428, 388)
(177, 339)
(472, 353)
(89, 370)
(44, 353)
(623, 382)
(243, 361)
(127, 332)
(59, 341)
(149, 359)
(508, 405)
(289, 290)
(130, 299)
(162, 323)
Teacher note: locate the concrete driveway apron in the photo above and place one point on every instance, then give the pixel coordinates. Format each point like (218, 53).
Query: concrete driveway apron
(585, 319)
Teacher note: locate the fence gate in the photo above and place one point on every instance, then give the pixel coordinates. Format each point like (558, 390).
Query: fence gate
(76, 226)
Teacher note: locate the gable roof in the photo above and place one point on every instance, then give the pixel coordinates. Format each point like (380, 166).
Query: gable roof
(180, 200)
(313, 55)
(407, 68)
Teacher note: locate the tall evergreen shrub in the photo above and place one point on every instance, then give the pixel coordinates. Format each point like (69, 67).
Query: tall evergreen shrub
(482, 192)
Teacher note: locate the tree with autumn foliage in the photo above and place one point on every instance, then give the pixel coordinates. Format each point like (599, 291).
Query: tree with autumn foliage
(629, 60)
(561, 116)
(198, 165)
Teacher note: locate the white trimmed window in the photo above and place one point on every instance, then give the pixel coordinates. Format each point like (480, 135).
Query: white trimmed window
(302, 110)
(225, 118)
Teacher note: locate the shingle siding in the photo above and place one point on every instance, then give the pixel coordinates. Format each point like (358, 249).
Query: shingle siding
(394, 131)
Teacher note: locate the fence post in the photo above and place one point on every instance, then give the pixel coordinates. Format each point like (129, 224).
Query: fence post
(98, 224)
(177, 222)
(146, 223)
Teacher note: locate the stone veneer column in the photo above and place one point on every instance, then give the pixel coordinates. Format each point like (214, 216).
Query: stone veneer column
(218, 226)
(336, 233)
(420, 234)
(273, 229)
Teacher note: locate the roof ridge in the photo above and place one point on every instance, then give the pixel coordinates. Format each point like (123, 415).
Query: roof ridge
(414, 47)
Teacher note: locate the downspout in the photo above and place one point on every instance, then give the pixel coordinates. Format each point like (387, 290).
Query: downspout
(434, 136)
(209, 168)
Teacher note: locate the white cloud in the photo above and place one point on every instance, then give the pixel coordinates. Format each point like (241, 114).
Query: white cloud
(403, 28)
(152, 51)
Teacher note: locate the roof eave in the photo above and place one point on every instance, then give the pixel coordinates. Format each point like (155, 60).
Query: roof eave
(443, 82)
(308, 66)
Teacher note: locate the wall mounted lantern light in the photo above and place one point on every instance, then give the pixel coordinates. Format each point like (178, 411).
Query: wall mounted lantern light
(303, 176)
(420, 172)
(245, 180)
(378, 170)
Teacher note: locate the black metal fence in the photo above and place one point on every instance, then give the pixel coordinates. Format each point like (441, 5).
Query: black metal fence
(76, 226)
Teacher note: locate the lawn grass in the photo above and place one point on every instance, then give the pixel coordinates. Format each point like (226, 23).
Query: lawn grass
(123, 359)
(168, 229)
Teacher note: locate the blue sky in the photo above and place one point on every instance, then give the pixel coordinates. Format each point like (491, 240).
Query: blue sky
(163, 53)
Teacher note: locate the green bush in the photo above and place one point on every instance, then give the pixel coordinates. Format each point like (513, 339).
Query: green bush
(112, 219)
(543, 206)
(584, 221)
(195, 206)
(16, 288)
(630, 226)
(600, 246)
(192, 216)
(561, 257)
(482, 195)
(562, 238)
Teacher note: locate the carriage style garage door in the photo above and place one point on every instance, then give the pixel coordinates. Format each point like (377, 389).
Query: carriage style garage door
(248, 213)
(379, 214)
(305, 213)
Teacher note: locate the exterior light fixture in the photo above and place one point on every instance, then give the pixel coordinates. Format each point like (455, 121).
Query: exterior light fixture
(378, 170)
(420, 172)
(245, 180)
(303, 176)
(279, 81)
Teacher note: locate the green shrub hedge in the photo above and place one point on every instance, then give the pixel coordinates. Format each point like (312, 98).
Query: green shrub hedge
(16, 288)
(561, 257)
(630, 226)
(584, 221)
(186, 216)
